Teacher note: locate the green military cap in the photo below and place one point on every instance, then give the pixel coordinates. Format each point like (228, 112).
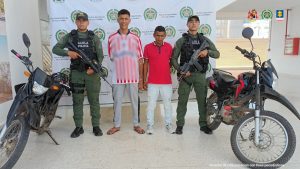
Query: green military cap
(82, 15)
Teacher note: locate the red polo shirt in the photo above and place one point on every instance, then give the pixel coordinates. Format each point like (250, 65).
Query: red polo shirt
(159, 63)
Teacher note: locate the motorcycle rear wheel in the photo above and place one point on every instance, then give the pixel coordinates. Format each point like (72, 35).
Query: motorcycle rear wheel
(212, 111)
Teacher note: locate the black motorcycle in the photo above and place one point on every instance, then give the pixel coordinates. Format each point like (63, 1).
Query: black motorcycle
(259, 138)
(33, 108)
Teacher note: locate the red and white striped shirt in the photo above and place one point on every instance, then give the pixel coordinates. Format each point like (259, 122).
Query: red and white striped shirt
(125, 51)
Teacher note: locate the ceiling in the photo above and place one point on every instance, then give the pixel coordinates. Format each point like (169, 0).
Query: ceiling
(245, 5)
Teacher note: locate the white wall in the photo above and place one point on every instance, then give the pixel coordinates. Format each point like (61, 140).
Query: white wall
(226, 15)
(21, 16)
(286, 64)
(221, 4)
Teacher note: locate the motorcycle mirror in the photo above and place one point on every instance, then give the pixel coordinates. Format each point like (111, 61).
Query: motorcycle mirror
(26, 40)
(247, 33)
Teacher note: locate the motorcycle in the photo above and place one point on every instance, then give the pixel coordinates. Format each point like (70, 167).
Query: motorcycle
(34, 108)
(259, 138)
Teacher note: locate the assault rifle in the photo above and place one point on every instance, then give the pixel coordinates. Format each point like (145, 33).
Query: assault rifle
(193, 62)
(97, 67)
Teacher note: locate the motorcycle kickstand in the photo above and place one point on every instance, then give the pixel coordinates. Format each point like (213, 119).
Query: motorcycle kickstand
(50, 135)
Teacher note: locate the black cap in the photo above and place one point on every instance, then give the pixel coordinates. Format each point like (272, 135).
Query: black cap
(193, 17)
(82, 15)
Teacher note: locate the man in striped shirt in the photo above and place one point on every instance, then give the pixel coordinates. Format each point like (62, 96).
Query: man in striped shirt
(125, 52)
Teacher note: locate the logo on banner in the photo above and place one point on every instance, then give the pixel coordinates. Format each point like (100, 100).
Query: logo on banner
(150, 14)
(65, 73)
(112, 15)
(205, 29)
(170, 31)
(100, 33)
(266, 14)
(136, 31)
(186, 11)
(279, 15)
(252, 15)
(73, 15)
(60, 34)
(59, 1)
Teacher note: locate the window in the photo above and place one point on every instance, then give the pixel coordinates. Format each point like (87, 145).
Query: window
(229, 35)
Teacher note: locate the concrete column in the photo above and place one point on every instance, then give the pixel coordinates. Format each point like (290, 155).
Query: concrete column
(21, 17)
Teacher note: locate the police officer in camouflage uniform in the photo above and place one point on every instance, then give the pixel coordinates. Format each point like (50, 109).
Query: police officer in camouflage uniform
(82, 75)
(185, 48)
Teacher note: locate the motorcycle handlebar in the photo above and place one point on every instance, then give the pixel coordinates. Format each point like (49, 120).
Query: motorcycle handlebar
(16, 53)
(25, 60)
(243, 51)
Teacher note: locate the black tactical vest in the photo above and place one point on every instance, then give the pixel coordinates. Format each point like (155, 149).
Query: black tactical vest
(87, 45)
(189, 46)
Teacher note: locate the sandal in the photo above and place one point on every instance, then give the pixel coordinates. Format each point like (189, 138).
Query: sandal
(113, 130)
(138, 129)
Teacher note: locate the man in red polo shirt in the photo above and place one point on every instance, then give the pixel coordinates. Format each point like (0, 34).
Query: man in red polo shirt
(157, 57)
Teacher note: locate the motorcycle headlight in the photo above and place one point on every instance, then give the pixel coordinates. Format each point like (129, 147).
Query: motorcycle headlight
(38, 89)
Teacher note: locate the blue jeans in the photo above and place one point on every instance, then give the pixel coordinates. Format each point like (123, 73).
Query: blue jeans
(165, 91)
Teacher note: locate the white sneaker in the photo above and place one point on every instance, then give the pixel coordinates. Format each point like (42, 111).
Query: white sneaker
(169, 128)
(149, 130)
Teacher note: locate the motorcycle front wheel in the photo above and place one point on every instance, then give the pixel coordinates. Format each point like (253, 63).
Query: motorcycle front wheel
(277, 141)
(13, 142)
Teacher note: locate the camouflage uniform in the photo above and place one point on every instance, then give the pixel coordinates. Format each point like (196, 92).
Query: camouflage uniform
(79, 79)
(184, 48)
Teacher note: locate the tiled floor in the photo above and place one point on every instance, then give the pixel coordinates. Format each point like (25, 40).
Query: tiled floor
(128, 150)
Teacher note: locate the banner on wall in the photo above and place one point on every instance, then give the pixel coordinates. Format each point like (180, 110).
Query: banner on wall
(5, 81)
(145, 16)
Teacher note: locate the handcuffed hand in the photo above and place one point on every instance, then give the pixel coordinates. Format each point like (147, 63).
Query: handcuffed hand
(145, 85)
(141, 85)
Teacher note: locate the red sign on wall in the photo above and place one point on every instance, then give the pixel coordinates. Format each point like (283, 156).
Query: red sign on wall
(291, 46)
